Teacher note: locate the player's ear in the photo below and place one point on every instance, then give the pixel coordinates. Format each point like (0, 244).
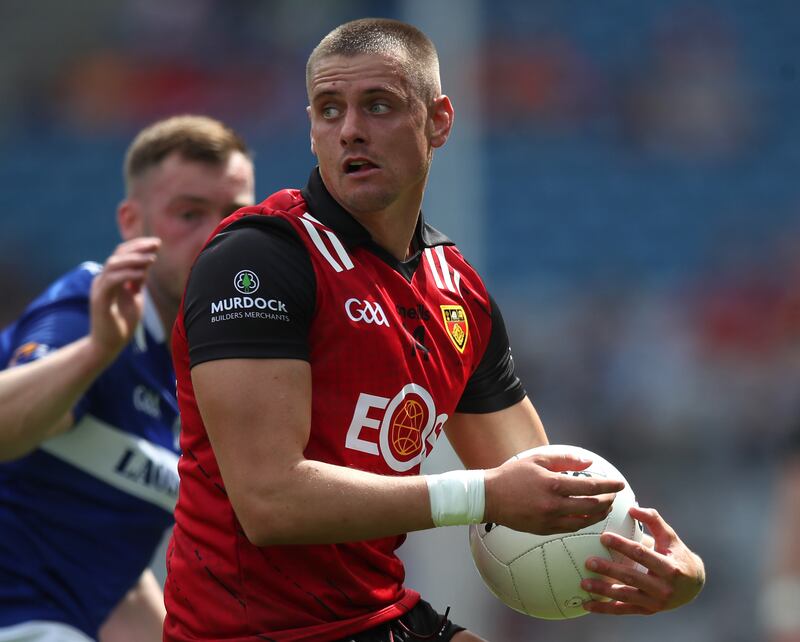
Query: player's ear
(129, 219)
(441, 118)
(311, 133)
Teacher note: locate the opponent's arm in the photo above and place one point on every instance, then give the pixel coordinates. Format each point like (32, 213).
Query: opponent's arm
(139, 617)
(36, 398)
(257, 413)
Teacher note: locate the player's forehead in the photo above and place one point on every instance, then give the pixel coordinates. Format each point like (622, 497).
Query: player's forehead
(340, 75)
(178, 175)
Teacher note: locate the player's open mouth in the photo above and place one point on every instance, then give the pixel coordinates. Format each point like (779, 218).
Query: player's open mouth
(358, 166)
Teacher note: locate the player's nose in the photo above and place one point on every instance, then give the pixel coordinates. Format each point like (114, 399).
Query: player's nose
(353, 130)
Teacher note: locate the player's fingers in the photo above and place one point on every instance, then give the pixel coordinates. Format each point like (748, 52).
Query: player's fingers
(131, 257)
(616, 608)
(630, 575)
(638, 552)
(621, 592)
(114, 282)
(592, 505)
(563, 462)
(139, 244)
(662, 532)
(579, 486)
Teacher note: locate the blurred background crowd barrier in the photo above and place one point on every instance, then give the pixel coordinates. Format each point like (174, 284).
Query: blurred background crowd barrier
(620, 171)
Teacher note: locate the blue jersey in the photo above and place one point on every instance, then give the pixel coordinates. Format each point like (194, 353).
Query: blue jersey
(81, 516)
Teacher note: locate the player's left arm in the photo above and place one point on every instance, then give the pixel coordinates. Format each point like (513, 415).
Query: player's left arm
(667, 574)
(494, 419)
(139, 617)
(483, 435)
(486, 440)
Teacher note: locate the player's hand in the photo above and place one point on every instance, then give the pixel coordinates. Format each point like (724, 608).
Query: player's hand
(668, 576)
(116, 299)
(532, 494)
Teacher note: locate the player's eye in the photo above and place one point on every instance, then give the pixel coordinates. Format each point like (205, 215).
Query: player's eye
(329, 111)
(191, 215)
(379, 108)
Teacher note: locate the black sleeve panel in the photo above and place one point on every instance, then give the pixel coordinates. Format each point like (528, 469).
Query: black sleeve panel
(493, 386)
(251, 294)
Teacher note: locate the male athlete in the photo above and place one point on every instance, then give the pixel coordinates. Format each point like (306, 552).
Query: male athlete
(88, 414)
(326, 339)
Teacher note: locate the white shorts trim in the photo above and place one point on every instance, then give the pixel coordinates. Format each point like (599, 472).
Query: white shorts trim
(42, 632)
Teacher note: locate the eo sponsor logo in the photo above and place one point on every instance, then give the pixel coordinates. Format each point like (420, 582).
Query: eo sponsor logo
(365, 311)
(246, 282)
(402, 430)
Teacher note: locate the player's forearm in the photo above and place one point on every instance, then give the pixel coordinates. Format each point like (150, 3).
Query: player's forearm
(319, 503)
(36, 398)
(139, 617)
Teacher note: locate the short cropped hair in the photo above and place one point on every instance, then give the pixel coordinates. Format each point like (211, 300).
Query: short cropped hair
(195, 138)
(382, 36)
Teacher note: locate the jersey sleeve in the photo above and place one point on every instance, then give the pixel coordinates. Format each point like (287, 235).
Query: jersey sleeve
(494, 385)
(251, 294)
(43, 330)
(57, 318)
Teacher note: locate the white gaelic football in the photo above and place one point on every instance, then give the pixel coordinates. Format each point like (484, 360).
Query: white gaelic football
(540, 575)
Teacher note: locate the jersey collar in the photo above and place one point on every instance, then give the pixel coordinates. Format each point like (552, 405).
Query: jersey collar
(150, 322)
(330, 213)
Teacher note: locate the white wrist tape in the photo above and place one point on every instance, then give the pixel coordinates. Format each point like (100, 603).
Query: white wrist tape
(457, 497)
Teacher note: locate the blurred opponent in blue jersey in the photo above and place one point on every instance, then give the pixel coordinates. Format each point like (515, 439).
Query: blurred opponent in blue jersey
(88, 416)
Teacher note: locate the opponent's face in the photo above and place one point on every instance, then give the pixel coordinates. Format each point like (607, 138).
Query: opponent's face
(181, 202)
(371, 132)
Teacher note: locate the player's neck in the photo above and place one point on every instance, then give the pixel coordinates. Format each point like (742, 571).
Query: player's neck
(393, 227)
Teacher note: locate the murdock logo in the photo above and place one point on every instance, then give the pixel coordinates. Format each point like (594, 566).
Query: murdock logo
(246, 282)
(248, 307)
(246, 303)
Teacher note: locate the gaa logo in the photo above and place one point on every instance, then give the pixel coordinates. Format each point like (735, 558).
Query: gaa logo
(246, 282)
(366, 311)
(406, 432)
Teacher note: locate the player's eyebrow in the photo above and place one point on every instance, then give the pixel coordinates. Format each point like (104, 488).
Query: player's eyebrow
(188, 197)
(370, 91)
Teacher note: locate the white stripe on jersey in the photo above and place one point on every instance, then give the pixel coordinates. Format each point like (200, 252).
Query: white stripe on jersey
(437, 279)
(444, 280)
(445, 268)
(323, 249)
(337, 244)
(122, 460)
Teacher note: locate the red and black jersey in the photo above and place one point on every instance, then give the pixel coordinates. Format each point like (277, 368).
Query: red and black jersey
(395, 348)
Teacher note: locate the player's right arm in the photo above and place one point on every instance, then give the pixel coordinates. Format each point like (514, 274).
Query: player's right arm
(253, 388)
(37, 398)
(257, 413)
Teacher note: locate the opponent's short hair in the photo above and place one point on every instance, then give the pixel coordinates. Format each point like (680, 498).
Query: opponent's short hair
(382, 36)
(195, 138)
